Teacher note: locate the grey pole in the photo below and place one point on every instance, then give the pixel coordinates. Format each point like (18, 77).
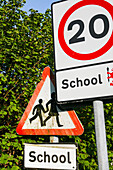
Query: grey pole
(54, 139)
(100, 135)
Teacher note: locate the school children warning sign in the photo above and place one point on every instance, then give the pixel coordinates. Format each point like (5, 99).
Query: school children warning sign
(43, 116)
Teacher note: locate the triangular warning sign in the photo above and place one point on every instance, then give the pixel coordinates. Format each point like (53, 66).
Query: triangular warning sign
(43, 116)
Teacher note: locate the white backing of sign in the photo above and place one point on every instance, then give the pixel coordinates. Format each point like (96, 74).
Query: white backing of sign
(85, 83)
(50, 156)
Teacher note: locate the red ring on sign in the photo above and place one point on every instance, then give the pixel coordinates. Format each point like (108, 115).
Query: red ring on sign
(61, 38)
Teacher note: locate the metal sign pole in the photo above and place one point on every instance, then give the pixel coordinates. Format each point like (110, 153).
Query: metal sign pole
(100, 135)
(54, 139)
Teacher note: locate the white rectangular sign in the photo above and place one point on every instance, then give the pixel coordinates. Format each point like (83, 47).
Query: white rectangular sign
(85, 83)
(50, 156)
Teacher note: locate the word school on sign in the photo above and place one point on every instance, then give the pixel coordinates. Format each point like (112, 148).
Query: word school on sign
(46, 157)
(79, 82)
(55, 156)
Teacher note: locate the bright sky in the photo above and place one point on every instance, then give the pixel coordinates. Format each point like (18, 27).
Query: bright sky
(40, 5)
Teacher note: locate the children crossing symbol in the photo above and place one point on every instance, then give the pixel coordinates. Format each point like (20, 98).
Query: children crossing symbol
(53, 111)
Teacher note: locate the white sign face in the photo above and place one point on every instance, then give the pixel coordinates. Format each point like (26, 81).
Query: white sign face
(85, 83)
(50, 156)
(83, 32)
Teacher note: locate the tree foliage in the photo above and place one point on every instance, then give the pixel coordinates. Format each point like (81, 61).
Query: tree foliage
(26, 48)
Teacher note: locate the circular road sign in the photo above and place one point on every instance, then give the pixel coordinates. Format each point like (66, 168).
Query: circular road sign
(85, 37)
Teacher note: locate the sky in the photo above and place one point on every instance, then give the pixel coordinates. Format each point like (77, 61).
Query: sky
(40, 5)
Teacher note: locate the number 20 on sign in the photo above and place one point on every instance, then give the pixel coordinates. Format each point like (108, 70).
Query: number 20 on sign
(83, 32)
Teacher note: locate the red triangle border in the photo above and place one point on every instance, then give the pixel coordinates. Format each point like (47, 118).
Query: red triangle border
(76, 131)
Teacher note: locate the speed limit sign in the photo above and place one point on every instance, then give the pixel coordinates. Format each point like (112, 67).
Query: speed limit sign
(83, 32)
(83, 49)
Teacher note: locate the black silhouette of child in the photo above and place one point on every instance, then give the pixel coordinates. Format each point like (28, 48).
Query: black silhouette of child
(38, 109)
(53, 110)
